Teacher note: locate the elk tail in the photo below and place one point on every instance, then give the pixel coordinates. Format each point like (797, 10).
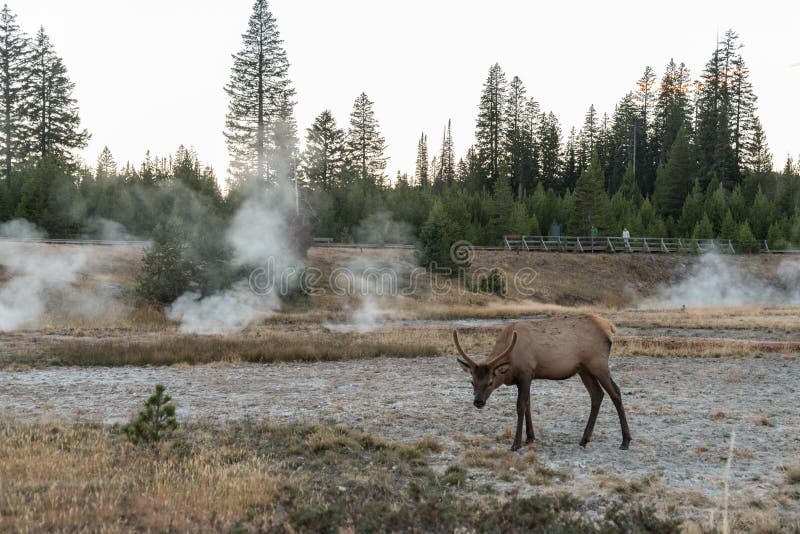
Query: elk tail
(606, 326)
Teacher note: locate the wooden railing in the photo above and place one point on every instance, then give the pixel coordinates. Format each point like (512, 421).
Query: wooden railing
(620, 244)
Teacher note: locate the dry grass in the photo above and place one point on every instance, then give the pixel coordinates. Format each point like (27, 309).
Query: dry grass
(252, 477)
(703, 348)
(793, 475)
(309, 342)
(728, 318)
(262, 346)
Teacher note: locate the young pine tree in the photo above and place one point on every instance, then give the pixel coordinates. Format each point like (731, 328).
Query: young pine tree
(155, 422)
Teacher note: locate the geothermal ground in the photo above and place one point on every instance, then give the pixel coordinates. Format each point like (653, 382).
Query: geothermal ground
(691, 379)
(682, 414)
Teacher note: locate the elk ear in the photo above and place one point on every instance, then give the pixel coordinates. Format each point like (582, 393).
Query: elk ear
(465, 365)
(502, 369)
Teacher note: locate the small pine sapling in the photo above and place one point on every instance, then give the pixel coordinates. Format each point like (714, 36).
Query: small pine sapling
(155, 422)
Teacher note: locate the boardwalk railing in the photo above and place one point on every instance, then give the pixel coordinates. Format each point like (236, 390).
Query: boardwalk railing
(620, 244)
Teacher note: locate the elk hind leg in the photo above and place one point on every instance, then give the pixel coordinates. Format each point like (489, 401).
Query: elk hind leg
(616, 397)
(596, 395)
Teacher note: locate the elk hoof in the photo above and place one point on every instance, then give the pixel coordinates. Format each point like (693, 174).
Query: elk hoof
(515, 446)
(583, 443)
(624, 447)
(530, 440)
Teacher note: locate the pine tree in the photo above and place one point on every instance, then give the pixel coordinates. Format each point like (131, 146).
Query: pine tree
(15, 64)
(703, 229)
(586, 141)
(746, 241)
(106, 166)
(571, 166)
(692, 210)
(365, 146)
(757, 157)
(448, 157)
(729, 228)
(550, 158)
(421, 171)
(489, 129)
(743, 111)
(517, 146)
(260, 100)
(323, 157)
(645, 99)
(675, 177)
(760, 215)
(591, 201)
(672, 110)
(719, 117)
(53, 112)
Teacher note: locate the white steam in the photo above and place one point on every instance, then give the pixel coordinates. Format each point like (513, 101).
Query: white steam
(231, 310)
(20, 229)
(259, 236)
(38, 279)
(716, 281)
(370, 281)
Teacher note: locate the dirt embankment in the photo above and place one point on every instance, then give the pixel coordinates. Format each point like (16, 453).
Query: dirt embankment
(610, 280)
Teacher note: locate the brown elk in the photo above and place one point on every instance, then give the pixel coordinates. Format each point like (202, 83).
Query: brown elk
(550, 349)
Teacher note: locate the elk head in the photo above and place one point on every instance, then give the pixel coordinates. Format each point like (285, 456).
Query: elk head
(488, 375)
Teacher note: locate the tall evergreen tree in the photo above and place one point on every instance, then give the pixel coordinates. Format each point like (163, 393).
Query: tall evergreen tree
(489, 129)
(323, 157)
(716, 116)
(15, 64)
(586, 141)
(550, 157)
(365, 146)
(448, 157)
(260, 102)
(516, 137)
(53, 112)
(421, 171)
(672, 110)
(743, 110)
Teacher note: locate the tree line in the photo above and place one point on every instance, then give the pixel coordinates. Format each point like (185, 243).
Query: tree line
(679, 155)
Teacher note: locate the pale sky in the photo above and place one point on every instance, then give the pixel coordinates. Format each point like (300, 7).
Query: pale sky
(150, 73)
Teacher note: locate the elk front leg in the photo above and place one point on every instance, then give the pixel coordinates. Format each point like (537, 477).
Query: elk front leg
(523, 399)
(528, 422)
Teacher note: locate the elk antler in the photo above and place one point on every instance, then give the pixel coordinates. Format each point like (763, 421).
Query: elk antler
(463, 354)
(505, 353)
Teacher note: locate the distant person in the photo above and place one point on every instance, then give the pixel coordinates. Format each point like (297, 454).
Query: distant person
(626, 235)
(594, 231)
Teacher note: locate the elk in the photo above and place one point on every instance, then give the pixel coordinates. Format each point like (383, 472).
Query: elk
(549, 349)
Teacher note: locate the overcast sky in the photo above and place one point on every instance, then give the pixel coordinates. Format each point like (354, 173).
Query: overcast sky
(150, 73)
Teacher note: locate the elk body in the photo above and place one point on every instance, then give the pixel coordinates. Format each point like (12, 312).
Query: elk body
(550, 349)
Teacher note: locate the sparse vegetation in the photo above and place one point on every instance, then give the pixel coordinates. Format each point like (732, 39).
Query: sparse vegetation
(253, 476)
